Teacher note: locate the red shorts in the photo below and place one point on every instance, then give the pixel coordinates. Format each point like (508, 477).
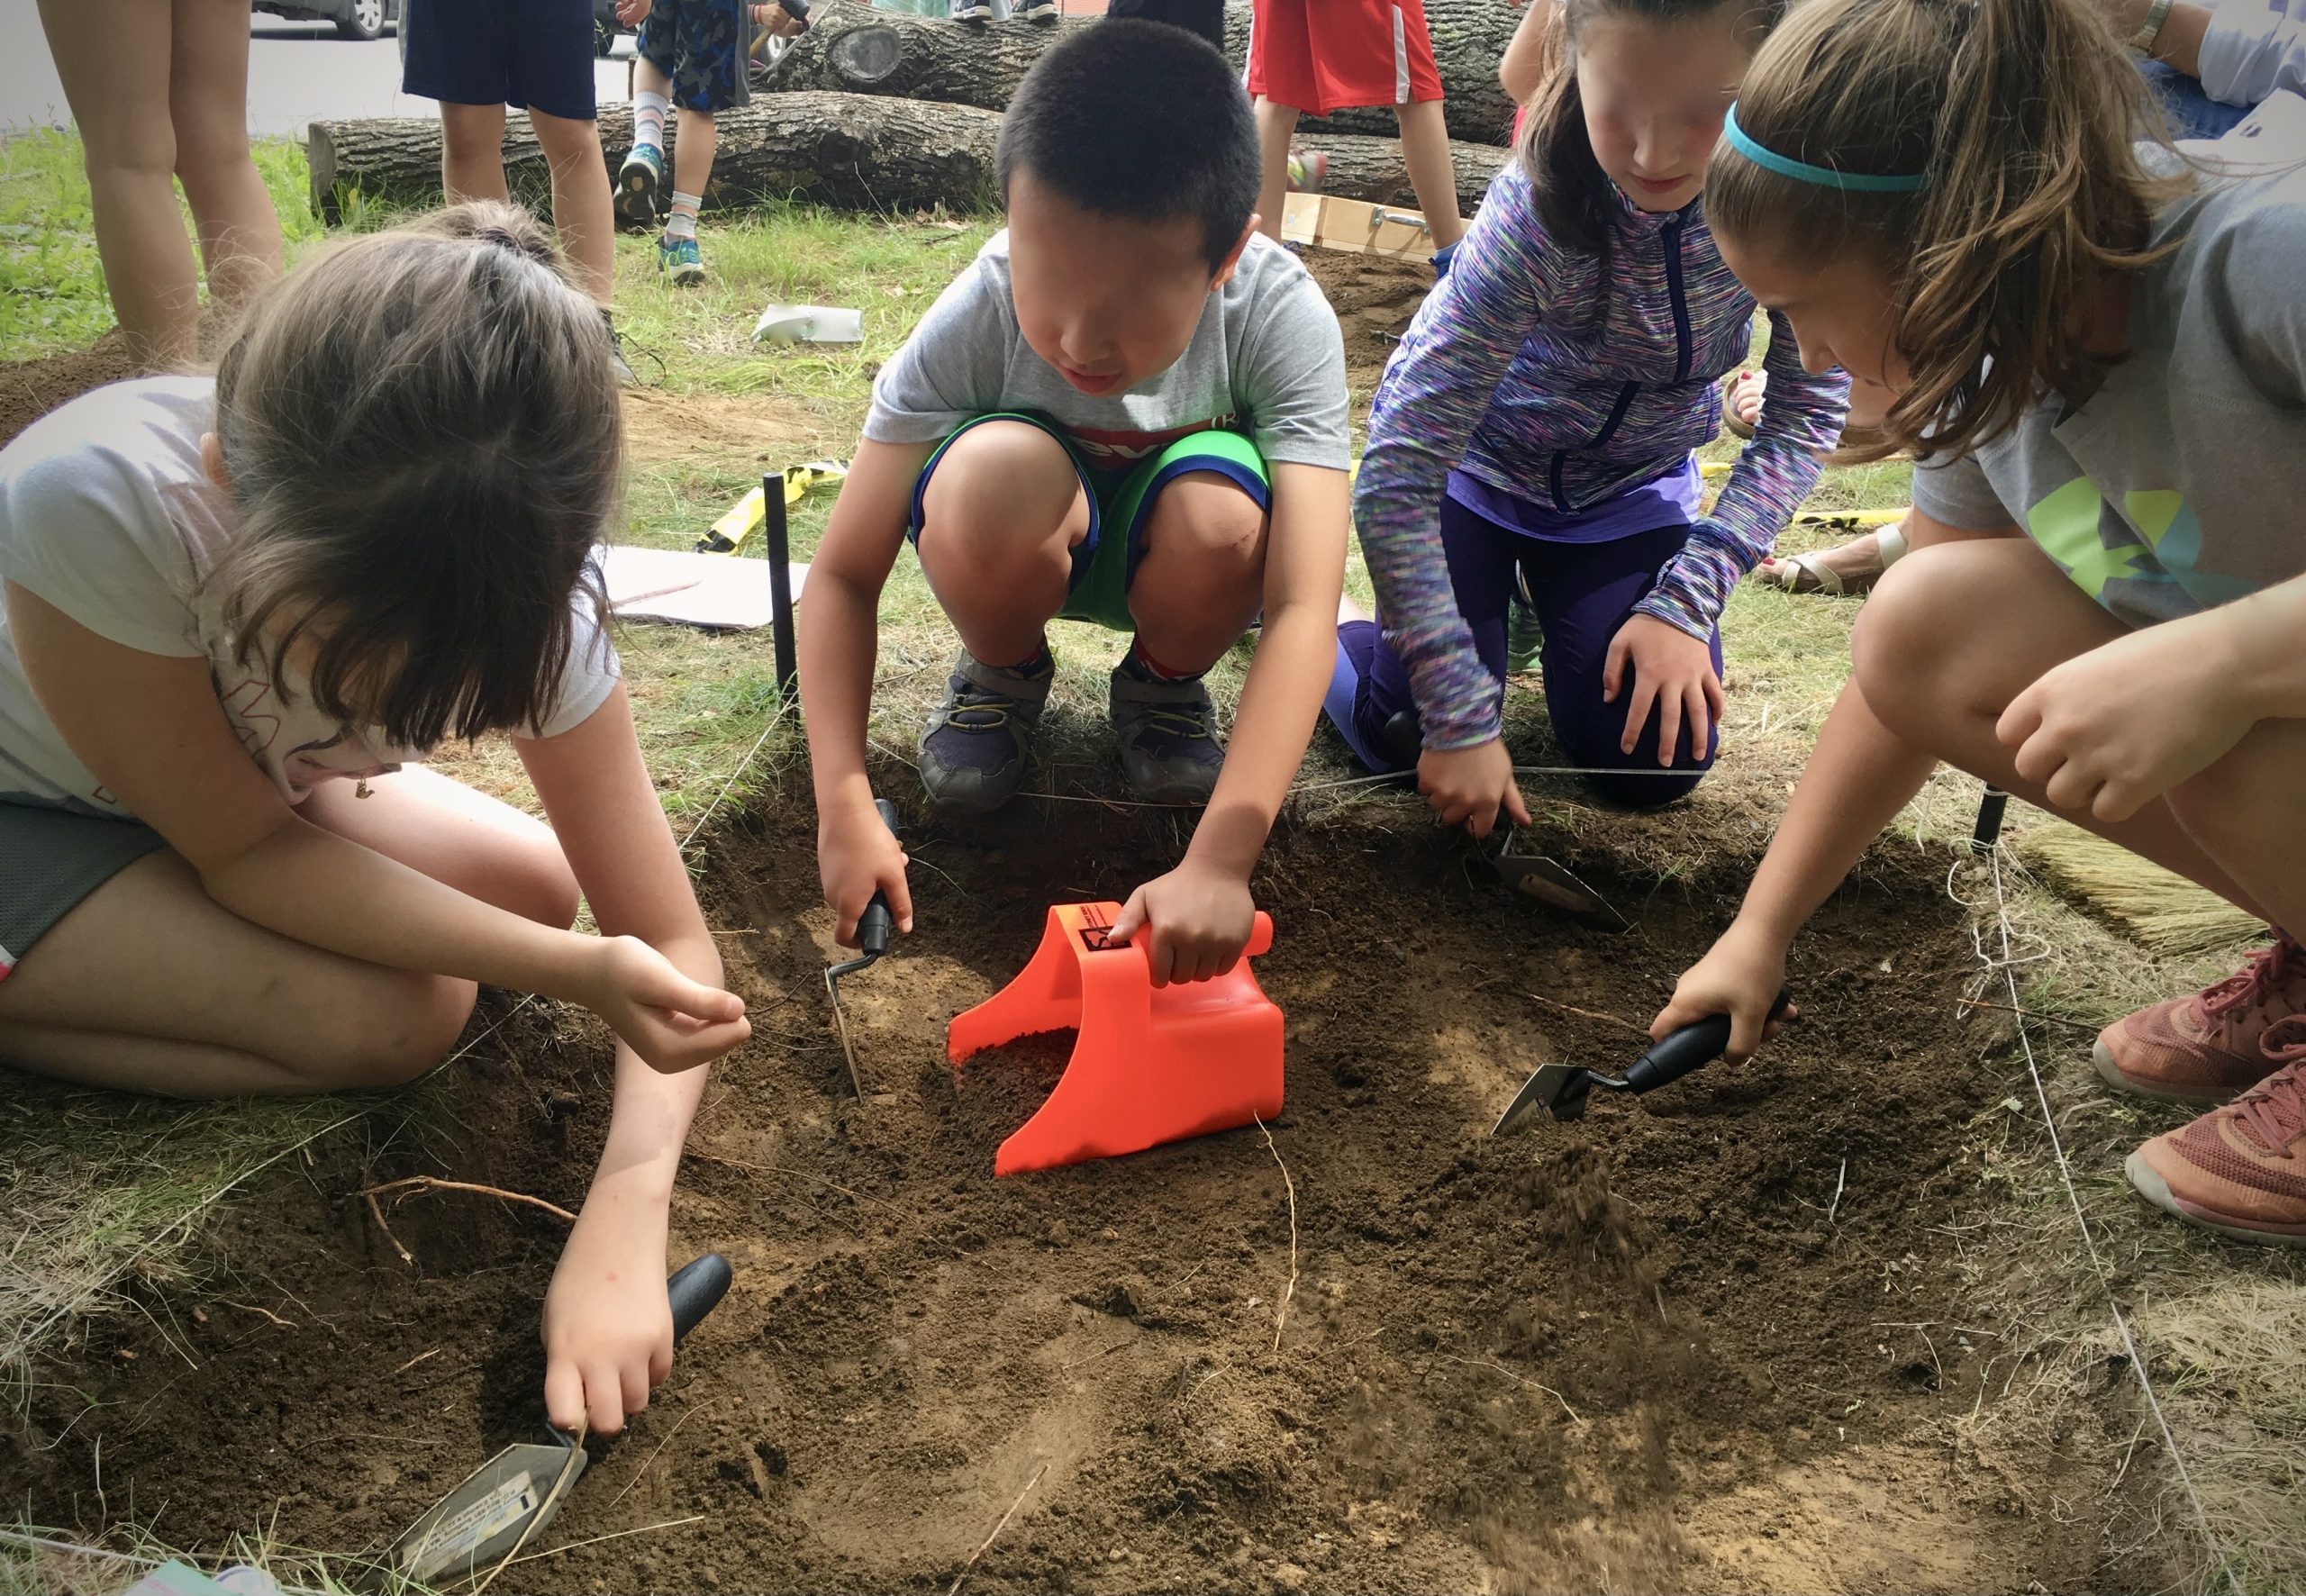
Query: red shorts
(1360, 52)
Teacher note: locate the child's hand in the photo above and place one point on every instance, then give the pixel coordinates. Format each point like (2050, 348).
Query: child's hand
(608, 1325)
(633, 13)
(1198, 918)
(1741, 975)
(2112, 729)
(672, 1022)
(1671, 669)
(857, 856)
(778, 21)
(1465, 786)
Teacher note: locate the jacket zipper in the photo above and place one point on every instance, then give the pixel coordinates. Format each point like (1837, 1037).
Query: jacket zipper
(1671, 235)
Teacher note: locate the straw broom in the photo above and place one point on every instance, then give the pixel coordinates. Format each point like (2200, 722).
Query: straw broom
(2164, 910)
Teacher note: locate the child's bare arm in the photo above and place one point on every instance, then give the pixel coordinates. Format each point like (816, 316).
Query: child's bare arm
(1522, 69)
(840, 636)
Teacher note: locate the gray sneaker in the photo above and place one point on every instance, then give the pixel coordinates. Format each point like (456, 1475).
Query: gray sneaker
(1168, 735)
(973, 751)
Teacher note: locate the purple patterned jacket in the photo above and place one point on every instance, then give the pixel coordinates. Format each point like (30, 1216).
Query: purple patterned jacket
(1529, 372)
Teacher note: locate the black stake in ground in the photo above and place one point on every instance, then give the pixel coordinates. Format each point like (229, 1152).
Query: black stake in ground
(780, 583)
(1989, 827)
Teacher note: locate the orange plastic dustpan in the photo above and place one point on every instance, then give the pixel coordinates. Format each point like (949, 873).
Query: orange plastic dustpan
(1148, 1066)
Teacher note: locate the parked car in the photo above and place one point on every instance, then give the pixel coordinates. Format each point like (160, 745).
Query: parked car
(354, 19)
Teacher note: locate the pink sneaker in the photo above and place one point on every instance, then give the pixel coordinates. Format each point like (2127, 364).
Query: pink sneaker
(2238, 1169)
(2206, 1047)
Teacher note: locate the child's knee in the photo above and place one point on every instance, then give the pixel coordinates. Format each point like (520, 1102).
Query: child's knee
(995, 482)
(393, 1028)
(1910, 623)
(1207, 536)
(1645, 787)
(539, 885)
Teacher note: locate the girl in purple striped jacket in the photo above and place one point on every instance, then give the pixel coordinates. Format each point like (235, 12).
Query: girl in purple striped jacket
(1538, 420)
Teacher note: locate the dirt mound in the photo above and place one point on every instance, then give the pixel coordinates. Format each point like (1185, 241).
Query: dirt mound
(30, 389)
(662, 427)
(1374, 297)
(1667, 1348)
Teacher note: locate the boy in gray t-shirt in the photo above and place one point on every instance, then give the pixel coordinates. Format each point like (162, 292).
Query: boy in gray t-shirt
(1130, 409)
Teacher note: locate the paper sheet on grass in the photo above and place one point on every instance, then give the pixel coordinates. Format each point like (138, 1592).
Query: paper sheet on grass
(709, 590)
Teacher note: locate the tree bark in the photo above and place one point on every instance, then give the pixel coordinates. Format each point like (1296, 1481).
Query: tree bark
(856, 152)
(851, 48)
(853, 152)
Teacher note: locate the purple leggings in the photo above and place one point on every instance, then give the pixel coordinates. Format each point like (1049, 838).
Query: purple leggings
(1585, 592)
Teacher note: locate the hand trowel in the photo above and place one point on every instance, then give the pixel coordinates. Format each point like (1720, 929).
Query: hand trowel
(518, 1491)
(1562, 1090)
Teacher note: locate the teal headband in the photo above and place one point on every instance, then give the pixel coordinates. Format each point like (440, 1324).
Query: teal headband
(1802, 171)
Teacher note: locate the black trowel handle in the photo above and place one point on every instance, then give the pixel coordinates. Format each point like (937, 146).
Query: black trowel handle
(874, 925)
(1692, 1048)
(696, 1288)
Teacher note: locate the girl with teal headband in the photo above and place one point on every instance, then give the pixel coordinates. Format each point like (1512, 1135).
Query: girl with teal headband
(2100, 347)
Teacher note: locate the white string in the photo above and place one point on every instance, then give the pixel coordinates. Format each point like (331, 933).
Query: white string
(2007, 964)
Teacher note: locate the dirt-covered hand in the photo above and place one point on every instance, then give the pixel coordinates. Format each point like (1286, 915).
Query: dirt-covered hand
(2110, 731)
(672, 1022)
(1741, 975)
(608, 1324)
(1673, 671)
(1467, 786)
(858, 856)
(1194, 922)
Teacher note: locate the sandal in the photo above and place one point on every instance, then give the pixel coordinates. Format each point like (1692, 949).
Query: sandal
(1810, 573)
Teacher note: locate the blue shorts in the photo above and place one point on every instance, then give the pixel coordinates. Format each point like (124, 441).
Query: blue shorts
(532, 55)
(701, 45)
(1104, 565)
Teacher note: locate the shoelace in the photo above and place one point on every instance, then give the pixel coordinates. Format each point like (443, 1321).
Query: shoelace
(1190, 720)
(978, 709)
(2252, 984)
(2273, 1113)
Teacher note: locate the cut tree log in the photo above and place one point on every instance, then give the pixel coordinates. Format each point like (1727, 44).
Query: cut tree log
(856, 152)
(850, 48)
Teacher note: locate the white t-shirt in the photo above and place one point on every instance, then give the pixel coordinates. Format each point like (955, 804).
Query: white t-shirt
(106, 513)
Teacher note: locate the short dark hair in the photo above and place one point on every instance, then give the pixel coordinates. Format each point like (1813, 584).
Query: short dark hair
(1140, 121)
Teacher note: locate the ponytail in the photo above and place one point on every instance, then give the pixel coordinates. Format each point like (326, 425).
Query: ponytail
(2020, 117)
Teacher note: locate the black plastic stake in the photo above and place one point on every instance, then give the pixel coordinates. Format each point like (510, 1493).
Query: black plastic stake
(780, 582)
(1989, 827)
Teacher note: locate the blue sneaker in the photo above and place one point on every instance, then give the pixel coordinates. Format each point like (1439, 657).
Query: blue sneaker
(1169, 751)
(973, 749)
(678, 258)
(637, 183)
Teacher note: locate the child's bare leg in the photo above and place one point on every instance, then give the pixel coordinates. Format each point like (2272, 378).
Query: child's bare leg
(1277, 125)
(240, 231)
(472, 152)
(1425, 151)
(1201, 582)
(581, 213)
(699, 141)
(149, 986)
(1956, 631)
(1001, 515)
(112, 56)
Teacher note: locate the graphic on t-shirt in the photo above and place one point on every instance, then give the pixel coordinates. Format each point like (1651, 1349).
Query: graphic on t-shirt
(1119, 451)
(2156, 538)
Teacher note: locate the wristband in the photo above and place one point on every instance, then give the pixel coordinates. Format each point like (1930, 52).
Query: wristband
(2149, 31)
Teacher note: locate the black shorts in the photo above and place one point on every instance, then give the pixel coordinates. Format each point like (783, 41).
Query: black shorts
(533, 55)
(52, 859)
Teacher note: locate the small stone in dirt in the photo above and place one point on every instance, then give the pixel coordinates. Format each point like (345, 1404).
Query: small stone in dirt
(1290, 1577)
(1057, 1235)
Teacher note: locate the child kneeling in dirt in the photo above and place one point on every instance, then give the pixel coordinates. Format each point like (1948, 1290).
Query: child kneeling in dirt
(237, 610)
(1130, 410)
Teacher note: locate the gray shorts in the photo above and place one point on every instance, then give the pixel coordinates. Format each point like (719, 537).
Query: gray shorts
(50, 860)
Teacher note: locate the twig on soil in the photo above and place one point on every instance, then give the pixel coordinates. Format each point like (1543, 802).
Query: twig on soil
(1587, 1014)
(955, 1588)
(544, 1509)
(1839, 1180)
(412, 1363)
(1483, 1363)
(252, 1307)
(1281, 1313)
(594, 1540)
(377, 1214)
(1971, 1002)
(415, 1184)
(645, 1467)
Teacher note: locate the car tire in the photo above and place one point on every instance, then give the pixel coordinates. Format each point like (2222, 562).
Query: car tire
(359, 18)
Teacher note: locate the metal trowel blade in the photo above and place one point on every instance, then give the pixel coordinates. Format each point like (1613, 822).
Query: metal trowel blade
(1548, 882)
(1558, 1089)
(477, 1523)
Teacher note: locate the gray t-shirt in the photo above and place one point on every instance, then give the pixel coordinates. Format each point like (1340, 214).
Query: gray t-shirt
(2181, 484)
(1268, 360)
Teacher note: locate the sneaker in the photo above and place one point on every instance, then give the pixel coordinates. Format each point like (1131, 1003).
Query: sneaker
(972, 11)
(1308, 170)
(973, 749)
(1036, 11)
(637, 183)
(1169, 751)
(678, 258)
(2206, 1047)
(2238, 1169)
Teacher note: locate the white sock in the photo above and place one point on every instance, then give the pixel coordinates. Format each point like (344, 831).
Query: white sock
(649, 120)
(682, 222)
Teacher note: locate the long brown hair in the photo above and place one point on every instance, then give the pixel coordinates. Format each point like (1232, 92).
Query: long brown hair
(2023, 115)
(421, 435)
(1575, 198)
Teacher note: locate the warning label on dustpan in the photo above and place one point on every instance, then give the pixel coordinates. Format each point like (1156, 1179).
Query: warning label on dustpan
(457, 1536)
(1094, 927)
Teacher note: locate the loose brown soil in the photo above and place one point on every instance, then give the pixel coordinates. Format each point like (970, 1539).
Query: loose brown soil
(1374, 296)
(30, 389)
(1673, 1347)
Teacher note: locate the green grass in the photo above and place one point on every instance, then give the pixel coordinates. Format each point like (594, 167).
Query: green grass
(106, 1195)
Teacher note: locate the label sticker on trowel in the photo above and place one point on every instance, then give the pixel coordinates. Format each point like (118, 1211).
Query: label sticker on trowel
(454, 1539)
